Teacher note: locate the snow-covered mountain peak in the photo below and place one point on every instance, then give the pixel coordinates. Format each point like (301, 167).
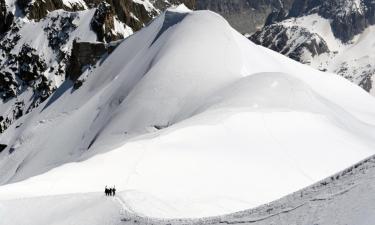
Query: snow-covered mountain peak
(189, 116)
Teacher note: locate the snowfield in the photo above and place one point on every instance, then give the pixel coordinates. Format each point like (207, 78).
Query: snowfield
(188, 119)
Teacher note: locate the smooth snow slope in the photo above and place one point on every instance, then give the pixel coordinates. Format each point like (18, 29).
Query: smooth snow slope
(243, 125)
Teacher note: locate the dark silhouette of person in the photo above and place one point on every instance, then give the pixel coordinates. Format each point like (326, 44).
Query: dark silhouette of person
(114, 191)
(110, 191)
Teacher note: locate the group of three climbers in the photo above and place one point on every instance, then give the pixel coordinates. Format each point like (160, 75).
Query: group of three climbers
(110, 191)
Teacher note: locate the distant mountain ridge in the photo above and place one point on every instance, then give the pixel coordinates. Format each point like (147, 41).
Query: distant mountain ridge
(335, 36)
(246, 16)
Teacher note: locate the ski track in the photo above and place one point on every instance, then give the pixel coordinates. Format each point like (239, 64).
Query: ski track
(315, 199)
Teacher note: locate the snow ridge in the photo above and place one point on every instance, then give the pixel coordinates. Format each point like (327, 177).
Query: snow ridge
(206, 126)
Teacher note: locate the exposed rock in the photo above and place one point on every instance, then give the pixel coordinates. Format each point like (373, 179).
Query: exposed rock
(276, 16)
(38, 9)
(133, 14)
(41, 71)
(348, 18)
(8, 85)
(247, 16)
(6, 18)
(295, 37)
(58, 30)
(16, 112)
(30, 65)
(103, 23)
(295, 42)
(84, 55)
(367, 82)
(2, 147)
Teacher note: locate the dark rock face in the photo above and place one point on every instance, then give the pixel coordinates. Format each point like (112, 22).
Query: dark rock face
(123, 9)
(135, 15)
(276, 16)
(362, 75)
(281, 39)
(6, 18)
(367, 81)
(38, 9)
(40, 71)
(16, 112)
(2, 146)
(103, 23)
(348, 18)
(30, 66)
(8, 85)
(58, 30)
(247, 16)
(84, 54)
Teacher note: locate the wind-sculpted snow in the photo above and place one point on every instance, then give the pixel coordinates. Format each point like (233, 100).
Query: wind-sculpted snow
(188, 118)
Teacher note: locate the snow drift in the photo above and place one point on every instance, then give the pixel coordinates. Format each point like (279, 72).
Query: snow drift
(188, 118)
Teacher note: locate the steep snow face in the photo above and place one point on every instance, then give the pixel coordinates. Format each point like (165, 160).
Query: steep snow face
(36, 44)
(301, 39)
(33, 59)
(188, 118)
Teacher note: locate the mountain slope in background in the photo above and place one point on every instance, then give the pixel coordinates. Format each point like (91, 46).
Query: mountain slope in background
(247, 16)
(210, 125)
(44, 42)
(334, 36)
(39, 50)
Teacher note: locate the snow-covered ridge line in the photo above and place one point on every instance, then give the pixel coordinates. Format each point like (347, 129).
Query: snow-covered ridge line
(207, 126)
(344, 193)
(339, 184)
(47, 30)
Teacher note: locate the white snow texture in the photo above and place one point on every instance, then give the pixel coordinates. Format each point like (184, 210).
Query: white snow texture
(188, 119)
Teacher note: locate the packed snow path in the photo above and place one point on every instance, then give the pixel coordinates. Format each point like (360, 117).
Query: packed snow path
(347, 198)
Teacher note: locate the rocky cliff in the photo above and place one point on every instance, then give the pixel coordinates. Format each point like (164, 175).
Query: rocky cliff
(348, 17)
(6, 17)
(49, 41)
(334, 36)
(247, 16)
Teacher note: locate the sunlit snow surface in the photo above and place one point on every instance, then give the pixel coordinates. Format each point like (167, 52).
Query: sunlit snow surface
(188, 119)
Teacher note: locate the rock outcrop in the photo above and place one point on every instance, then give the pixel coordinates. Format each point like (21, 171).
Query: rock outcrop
(38, 9)
(84, 54)
(6, 18)
(36, 68)
(303, 33)
(295, 42)
(247, 16)
(348, 18)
